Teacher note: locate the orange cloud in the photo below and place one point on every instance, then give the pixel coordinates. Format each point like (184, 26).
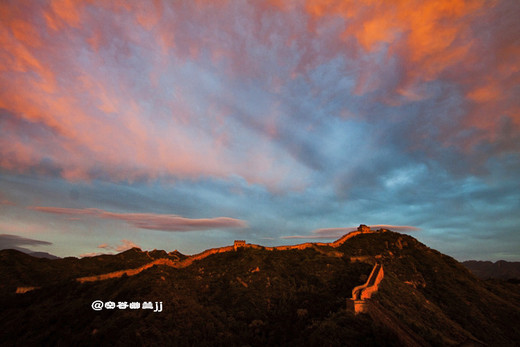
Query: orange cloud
(68, 11)
(484, 94)
(148, 15)
(164, 222)
(426, 33)
(98, 123)
(100, 92)
(471, 45)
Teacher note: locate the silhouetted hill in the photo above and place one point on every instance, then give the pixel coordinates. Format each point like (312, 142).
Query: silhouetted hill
(437, 296)
(20, 269)
(260, 296)
(501, 269)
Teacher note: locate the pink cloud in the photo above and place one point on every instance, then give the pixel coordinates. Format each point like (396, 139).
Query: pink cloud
(470, 44)
(152, 221)
(111, 100)
(4, 201)
(335, 233)
(65, 210)
(21, 227)
(94, 127)
(124, 246)
(422, 32)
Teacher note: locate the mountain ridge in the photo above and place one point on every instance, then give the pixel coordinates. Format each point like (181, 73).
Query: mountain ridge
(188, 260)
(500, 269)
(254, 295)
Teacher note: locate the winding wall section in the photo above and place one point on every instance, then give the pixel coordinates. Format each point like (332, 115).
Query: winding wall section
(188, 261)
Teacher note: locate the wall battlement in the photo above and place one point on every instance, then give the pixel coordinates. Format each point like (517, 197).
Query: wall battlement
(239, 243)
(362, 229)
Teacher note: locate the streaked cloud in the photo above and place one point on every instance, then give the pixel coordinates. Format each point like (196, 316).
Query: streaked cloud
(97, 117)
(164, 222)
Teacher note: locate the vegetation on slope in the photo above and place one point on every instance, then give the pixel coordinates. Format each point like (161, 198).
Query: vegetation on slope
(438, 297)
(261, 297)
(19, 269)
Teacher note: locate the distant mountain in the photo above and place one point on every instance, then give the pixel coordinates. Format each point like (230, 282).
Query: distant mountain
(501, 269)
(43, 255)
(34, 254)
(259, 296)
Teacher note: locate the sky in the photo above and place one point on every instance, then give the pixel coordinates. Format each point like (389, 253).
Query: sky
(189, 124)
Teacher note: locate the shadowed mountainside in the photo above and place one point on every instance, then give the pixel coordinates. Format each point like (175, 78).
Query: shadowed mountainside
(19, 269)
(259, 296)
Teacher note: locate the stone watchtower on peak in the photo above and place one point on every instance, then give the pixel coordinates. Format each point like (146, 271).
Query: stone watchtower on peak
(239, 243)
(363, 228)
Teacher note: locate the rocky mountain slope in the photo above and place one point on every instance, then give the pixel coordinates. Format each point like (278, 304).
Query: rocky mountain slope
(255, 295)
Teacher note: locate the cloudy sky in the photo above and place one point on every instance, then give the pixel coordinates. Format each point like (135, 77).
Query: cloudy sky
(188, 124)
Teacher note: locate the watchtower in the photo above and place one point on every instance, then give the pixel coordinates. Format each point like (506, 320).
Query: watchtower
(363, 228)
(239, 243)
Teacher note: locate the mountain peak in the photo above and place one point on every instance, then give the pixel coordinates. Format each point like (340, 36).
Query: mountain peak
(272, 295)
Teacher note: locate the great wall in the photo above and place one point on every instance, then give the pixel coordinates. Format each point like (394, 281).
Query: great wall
(360, 302)
(360, 294)
(362, 229)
